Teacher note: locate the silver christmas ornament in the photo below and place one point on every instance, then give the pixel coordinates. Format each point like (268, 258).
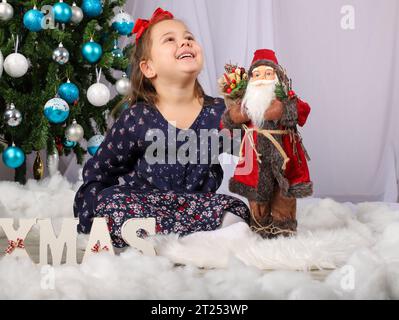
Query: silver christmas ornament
(1, 63)
(77, 14)
(123, 85)
(12, 116)
(74, 132)
(61, 55)
(53, 160)
(6, 11)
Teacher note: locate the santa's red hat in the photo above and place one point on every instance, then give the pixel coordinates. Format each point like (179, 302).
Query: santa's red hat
(264, 54)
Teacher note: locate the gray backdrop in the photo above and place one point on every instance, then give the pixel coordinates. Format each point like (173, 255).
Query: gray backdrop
(343, 59)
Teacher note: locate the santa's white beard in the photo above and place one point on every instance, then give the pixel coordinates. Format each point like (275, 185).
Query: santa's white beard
(257, 99)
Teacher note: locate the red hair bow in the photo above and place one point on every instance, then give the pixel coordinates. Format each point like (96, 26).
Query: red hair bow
(142, 25)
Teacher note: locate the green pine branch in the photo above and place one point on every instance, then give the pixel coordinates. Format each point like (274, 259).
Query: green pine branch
(31, 92)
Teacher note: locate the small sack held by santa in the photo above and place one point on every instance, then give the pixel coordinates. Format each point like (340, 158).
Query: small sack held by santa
(272, 171)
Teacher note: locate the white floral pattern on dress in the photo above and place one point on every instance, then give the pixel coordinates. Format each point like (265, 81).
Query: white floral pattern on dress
(154, 189)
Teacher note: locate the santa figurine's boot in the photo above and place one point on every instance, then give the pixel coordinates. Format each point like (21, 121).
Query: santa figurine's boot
(284, 215)
(260, 219)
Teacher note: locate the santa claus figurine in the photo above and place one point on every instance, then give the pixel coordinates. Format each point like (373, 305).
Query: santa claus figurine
(272, 172)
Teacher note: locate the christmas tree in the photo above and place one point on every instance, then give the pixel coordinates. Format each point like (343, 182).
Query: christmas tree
(54, 51)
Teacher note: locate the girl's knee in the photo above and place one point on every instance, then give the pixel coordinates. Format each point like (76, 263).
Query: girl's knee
(108, 198)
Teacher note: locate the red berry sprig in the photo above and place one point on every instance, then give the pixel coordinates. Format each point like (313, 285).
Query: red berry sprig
(291, 94)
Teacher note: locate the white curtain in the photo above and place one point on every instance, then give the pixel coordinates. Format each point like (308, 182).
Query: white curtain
(350, 77)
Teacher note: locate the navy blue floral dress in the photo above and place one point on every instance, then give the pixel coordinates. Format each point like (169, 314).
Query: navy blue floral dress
(122, 182)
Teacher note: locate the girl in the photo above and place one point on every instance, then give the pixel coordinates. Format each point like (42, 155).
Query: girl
(168, 99)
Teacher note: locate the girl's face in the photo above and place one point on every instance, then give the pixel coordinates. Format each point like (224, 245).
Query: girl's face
(174, 52)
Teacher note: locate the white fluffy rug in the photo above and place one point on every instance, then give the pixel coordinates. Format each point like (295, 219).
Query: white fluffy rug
(359, 241)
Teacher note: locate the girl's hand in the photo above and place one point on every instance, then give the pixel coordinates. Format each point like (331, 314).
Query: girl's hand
(275, 111)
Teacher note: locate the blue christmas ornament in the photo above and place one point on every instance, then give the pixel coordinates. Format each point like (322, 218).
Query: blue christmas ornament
(123, 23)
(69, 92)
(92, 51)
(56, 110)
(69, 144)
(33, 20)
(94, 143)
(62, 12)
(13, 157)
(92, 8)
(125, 105)
(117, 52)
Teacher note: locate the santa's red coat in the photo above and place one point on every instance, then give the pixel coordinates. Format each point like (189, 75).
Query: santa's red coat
(296, 172)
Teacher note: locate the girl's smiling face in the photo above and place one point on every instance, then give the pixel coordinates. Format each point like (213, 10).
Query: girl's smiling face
(175, 54)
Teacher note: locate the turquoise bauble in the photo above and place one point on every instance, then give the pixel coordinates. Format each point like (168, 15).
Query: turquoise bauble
(94, 143)
(13, 157)
(69, 144)
(69, 92)
(92, 51)
(123, 23)
(33, 20)
(125, 105)
(56, 110)
(92, 8)
(117, 52)
(62, 12)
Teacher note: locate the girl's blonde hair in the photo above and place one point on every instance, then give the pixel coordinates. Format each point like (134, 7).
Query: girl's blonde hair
(141, 89)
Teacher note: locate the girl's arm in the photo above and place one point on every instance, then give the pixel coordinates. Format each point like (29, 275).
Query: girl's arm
(114, 158)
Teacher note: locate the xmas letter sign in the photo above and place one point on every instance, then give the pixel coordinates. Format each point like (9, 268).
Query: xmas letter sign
(99, 239)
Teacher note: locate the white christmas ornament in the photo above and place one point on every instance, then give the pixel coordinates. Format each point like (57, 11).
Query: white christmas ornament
(16, 65)
(123, 85)
(98, 93)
